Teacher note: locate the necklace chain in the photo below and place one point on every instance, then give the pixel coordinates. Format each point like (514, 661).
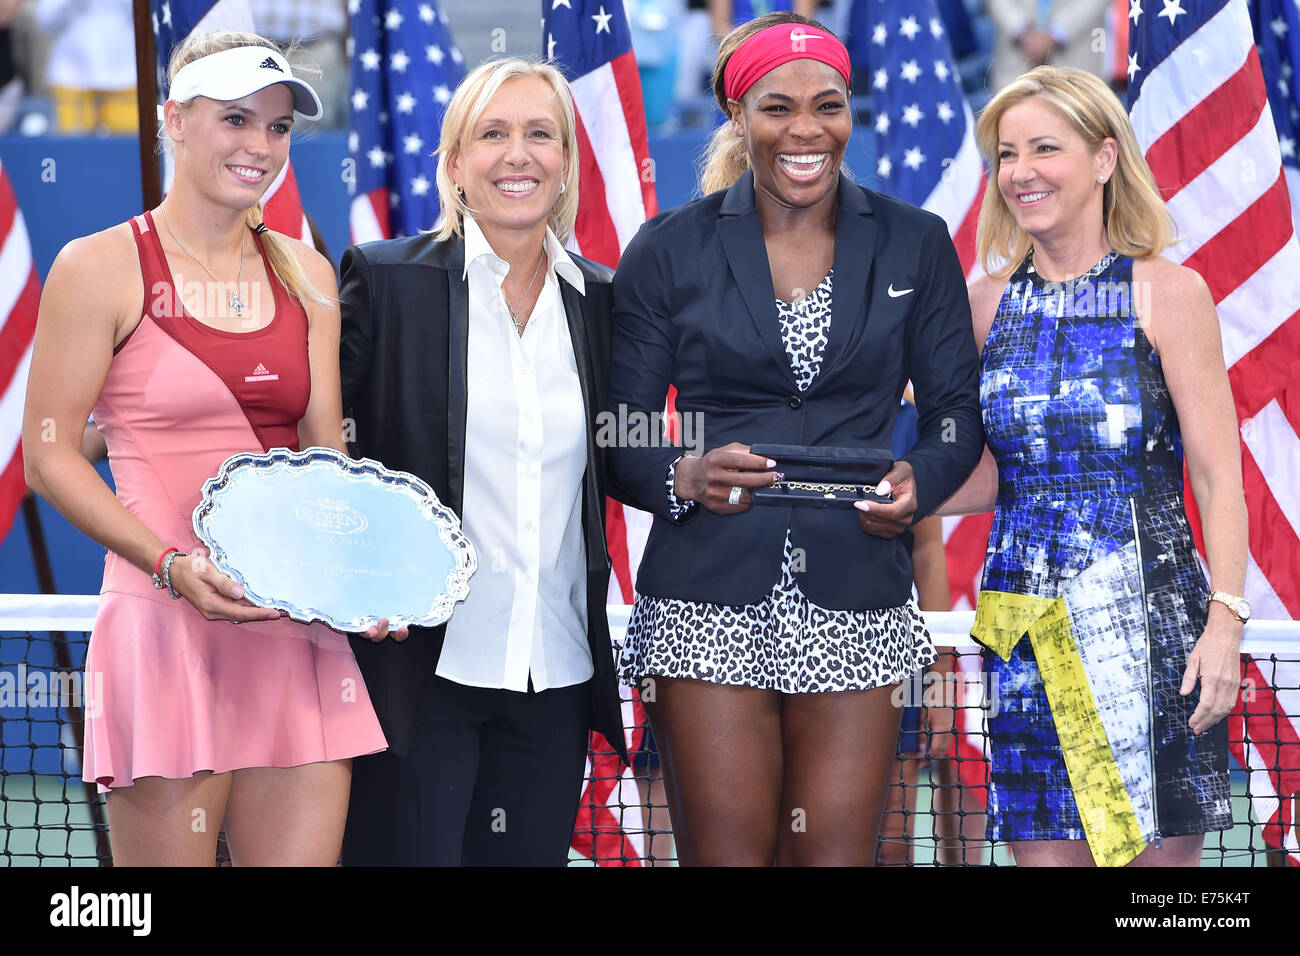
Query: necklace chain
(236, 303)
(514, 313)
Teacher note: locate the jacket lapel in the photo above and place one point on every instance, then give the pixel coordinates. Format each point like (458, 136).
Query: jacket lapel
(457, 376)
(854, 265)
(742, 240)
(597, 555)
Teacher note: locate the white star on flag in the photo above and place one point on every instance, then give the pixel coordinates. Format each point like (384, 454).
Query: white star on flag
(434, 54)
(909, 27)
(910, 71)
(913, 158)
(602, 20)
(1173, 9)
(913, 115)
(412, 144)
(399, 61)
(393, 20)
(405, 103)
(420, 185)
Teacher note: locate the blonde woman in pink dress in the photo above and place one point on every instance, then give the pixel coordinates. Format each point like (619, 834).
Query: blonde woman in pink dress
(195, 333)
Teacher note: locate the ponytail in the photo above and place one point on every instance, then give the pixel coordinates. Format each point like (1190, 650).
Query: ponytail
(284, 262)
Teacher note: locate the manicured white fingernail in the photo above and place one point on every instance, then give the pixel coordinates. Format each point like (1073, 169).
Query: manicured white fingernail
(862, 505)
(883, 488)
(771, 463)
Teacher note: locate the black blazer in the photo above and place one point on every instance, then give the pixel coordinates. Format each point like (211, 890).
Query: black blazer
(403, 355)
(694, 306)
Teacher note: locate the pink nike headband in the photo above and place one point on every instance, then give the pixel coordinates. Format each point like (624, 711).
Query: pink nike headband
(767, 49)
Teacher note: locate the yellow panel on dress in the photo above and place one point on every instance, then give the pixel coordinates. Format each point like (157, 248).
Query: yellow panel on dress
(1001, 619)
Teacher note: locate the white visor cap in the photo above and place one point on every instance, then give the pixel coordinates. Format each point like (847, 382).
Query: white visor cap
(239, 72)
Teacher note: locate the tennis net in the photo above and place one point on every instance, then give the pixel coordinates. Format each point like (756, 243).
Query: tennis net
(934, 812)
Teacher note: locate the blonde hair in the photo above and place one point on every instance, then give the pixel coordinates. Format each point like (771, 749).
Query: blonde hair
(280, 256)
(467, 107)
(1133, 212)
(727, 158)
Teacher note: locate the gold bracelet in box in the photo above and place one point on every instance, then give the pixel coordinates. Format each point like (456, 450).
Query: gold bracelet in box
(827, 490)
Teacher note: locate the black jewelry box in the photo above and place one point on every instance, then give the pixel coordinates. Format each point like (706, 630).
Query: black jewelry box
(823, 477)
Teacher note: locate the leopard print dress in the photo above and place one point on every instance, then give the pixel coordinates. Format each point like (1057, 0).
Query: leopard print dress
(784, 641)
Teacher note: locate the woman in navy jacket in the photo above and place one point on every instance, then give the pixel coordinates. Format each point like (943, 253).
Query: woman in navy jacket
(766, 640)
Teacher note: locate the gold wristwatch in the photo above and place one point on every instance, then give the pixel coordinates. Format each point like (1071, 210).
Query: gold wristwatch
(1239, 606)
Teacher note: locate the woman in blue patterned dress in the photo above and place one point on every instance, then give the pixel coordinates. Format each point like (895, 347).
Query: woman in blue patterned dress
(1112, 660)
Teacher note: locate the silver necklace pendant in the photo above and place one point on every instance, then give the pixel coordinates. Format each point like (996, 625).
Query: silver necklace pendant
(237, 304)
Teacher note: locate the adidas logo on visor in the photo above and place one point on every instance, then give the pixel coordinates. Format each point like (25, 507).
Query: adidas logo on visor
(270, 64)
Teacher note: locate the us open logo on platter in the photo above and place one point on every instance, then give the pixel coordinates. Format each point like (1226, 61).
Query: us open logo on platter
(332, 515)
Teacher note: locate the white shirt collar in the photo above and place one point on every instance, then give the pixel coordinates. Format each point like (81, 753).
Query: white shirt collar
(477, 247)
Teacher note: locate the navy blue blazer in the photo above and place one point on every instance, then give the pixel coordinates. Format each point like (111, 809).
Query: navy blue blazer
(694, 307)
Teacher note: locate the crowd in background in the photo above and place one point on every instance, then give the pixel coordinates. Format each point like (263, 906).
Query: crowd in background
(68, 66)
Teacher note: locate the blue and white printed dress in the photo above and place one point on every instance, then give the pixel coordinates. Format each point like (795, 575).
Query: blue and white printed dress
(1092, 597)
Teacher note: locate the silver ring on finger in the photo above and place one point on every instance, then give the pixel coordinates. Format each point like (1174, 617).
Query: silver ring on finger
(734, 498)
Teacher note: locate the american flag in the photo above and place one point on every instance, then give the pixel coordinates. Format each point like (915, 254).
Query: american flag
(20, 295)
(173, 21)
(1277, 33)
(1199, 102)
(404, 68)
(591, 43)
(926, 155)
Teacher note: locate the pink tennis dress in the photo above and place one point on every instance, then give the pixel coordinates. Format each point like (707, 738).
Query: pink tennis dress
(170, 693)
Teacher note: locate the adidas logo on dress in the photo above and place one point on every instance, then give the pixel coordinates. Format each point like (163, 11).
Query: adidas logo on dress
(270, 64)
(262, 374)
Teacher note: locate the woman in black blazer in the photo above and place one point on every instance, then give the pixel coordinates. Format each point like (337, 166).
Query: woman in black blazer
(478, 358)
(766, 640)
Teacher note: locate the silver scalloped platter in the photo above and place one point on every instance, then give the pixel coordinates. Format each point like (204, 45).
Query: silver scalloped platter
(324, 537)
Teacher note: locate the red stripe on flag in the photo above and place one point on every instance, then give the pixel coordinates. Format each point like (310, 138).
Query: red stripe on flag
(1264, 723)
(628, 80)
(597, 831)
(964, 551)
(597, 237)
(283, 211)
(1273, 542)
(13, 486)
(383, 210)
(1255, 376)
(8, 204)
(1209, 130)
(18, 329)
(964, 237)
(1239, 249)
